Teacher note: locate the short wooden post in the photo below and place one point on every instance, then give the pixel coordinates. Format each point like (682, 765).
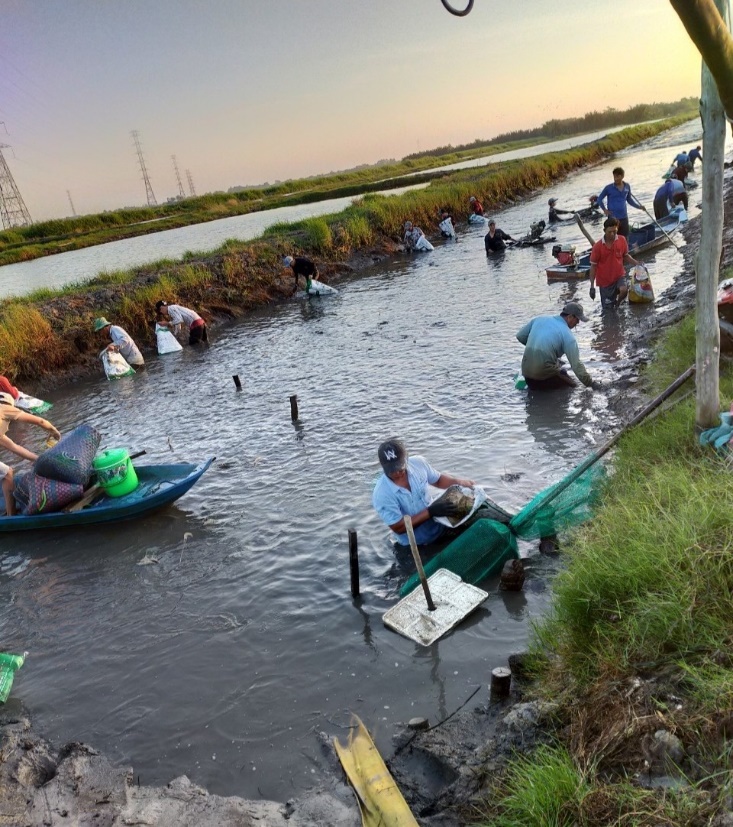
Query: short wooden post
(237, 382)
(501, 681)
(354, 562)
(294, 407)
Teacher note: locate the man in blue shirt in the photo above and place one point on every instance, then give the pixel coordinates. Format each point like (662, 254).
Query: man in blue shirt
(403, 489)
(546, 339)
(672, 192)
(682, 159)
(694, 155)
(618, 195)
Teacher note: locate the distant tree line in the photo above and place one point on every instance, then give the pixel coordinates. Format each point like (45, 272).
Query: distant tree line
(565, 127)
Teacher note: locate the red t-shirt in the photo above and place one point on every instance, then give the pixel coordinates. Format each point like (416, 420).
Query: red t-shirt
(609, 261)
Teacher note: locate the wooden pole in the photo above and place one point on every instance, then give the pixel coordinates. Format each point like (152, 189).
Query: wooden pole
(237, 382)
(584, 230)
(294, 407)
(501, 681)
(354, 562)
(418, 562)
(707, 259)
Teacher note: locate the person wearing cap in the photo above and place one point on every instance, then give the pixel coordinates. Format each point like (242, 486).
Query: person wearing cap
(9, 413)
(546, 339)
(403, 489)
(607, 259)
(555, 213)
(301, 266)
(695, 155)
(617, 196)
(121, 342)
(495, 240)
(175, 316)
(476, 207)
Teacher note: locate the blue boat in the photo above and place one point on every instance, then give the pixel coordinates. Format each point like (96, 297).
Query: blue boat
(159, 485)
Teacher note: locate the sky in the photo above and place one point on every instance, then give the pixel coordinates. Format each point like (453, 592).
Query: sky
(246, 92)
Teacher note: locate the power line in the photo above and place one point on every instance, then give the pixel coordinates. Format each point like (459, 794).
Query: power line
(13, 210)
(146, 178)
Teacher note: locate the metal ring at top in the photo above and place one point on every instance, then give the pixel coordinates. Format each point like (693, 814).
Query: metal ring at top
(457, 13)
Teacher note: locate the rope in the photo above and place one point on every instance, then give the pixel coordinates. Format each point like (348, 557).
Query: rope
(457, 13)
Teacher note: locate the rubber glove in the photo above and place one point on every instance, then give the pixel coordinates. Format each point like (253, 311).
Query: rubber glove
(445, 509)
(592, 293)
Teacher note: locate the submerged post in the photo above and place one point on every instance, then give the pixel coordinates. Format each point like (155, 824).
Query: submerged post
(237, 382)
(354, 562)
(293, 407)
(501, 681)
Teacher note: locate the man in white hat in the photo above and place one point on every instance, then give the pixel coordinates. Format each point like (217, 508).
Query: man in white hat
(301, 266)
(546, 339)
(121, 342)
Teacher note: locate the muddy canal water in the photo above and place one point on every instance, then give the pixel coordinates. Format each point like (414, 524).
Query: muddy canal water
(226, 657)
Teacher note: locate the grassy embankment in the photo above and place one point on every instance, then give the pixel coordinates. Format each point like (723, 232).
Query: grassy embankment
(639, 637)
(57, 236)
(50, 330)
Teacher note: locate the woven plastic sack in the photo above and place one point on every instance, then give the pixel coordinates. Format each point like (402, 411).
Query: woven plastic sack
(115, 365)
(478, 553)
(44, 496)
(9, 665)
(546, 514)
(70, 460)
(167, 342)
(31, 404)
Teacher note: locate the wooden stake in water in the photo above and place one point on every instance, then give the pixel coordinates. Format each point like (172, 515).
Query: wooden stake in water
(418, 562)
(294, 408)
(237, 382)
(354, 562)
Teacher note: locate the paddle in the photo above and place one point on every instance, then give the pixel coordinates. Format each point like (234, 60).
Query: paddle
(92, 492)
(669, 237)
(418, 562)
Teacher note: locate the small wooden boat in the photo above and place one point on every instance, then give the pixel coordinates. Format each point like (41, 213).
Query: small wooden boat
(641, 239)
(159, 485)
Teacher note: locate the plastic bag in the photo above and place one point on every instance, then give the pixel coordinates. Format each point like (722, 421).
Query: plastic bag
(423, 245)
(9, 665)
(479, 498)
(318, 288)
(167, 342)
(446, 227)
(31, 404)
(115, 365)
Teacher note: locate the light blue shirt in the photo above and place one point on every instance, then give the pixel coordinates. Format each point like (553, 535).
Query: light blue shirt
(392, 501)
(617, 200)
(546, 339)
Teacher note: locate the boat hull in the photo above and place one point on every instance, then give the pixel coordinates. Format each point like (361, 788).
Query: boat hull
(159, 486)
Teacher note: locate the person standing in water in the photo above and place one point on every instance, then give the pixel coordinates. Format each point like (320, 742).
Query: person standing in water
(618, 195)
(121, 342)
(175, 316)
(495, 240)
(607, 259)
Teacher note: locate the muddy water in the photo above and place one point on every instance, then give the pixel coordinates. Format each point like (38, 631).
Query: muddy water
(227, 657)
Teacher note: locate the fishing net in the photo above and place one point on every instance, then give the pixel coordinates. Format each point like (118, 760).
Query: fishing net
(481, 550)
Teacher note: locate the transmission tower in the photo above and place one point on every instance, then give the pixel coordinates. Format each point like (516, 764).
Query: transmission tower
(13, 210)
(190, 184)
(146, 178)
(181, 191)
(72, 204)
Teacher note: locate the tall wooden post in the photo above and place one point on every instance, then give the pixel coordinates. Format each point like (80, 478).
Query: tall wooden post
(707, 259)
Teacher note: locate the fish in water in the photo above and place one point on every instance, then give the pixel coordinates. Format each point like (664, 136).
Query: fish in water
(461, 497)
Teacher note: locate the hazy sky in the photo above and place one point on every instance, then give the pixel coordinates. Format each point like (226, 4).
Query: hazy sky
(244, 92)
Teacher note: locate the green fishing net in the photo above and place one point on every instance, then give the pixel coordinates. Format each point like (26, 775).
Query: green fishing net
(483, 548)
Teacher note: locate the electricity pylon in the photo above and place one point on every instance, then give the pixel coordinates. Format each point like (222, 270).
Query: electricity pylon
(146, 178)
(190, 184)
(13, 210)
(181, 191)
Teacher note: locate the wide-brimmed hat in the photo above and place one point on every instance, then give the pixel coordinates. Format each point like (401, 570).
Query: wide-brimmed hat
(7, 399)
(100, 323)
(574, 309)
(392, 456)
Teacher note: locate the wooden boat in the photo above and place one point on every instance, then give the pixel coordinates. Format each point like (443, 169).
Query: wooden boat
(641, 239)
(159, 486)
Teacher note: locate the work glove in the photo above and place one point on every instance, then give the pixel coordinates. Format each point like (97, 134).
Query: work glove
(592, 293)
(445, 509)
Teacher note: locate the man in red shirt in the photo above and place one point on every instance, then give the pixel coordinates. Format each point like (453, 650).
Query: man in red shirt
(607, 259)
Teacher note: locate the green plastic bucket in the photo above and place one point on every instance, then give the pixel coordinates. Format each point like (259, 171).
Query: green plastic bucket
(115, 472)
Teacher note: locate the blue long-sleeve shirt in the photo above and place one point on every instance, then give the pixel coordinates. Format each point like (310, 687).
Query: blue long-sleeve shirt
(617, 200)
(545, 340)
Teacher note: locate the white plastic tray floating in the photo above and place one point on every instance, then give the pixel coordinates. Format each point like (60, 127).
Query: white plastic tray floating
(453, 600)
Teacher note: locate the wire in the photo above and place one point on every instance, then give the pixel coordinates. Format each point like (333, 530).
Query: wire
(457, 13)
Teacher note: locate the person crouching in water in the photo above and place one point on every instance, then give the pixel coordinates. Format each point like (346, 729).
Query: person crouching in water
(302, 266)
(445, 225)
(546, 339)
(121, 342)
(175, 316)
(9, 413)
